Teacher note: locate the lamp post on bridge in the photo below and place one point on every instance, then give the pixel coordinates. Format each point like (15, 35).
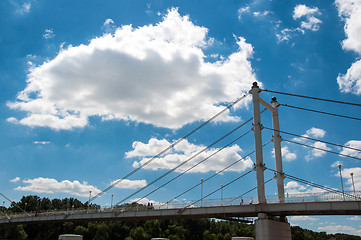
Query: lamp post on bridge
(111, 203)
(343, 193)
(201, 192)
(353, 185)
(221, 194)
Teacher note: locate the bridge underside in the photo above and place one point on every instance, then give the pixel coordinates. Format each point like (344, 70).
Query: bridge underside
(222, 212)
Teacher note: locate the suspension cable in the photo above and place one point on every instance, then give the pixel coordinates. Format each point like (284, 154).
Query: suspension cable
(313, 139)
(215, 174)
(317, 111)
(168, 148)
(325, 150)
(243, 175)
(14, 204)
(314, 98)
(186, 161)
(194, 165)
(328, 189)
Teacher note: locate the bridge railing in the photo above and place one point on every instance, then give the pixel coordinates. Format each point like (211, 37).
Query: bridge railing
(289, 198)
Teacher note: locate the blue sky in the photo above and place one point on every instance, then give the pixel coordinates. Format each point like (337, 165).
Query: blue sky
(92, 89)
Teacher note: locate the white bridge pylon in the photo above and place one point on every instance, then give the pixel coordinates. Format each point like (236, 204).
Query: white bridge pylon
(257, 128)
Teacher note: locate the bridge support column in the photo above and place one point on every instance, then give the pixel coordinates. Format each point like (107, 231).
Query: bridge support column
(272, 229)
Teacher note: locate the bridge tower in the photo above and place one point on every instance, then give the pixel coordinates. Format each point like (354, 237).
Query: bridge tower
(268, 227)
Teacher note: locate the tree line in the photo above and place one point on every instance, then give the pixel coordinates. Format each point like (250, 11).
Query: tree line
(182, 229)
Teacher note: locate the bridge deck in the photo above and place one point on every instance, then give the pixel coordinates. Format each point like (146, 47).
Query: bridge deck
(273, 209)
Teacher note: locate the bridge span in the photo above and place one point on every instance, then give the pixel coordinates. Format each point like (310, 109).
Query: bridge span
(332, 205)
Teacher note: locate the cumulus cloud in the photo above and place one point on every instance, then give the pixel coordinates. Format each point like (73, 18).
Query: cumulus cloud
(355, 144)
(130, 184)
(50, 185)
(351, 81)
(318, 151)
(15, 180)
(316, 132)
(155, 74)
(350, 12)
(287, 155)
(318, 146)
(184, 151)
(312, 23)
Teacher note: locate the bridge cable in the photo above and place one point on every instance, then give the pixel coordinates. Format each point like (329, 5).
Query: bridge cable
(14, 204)
(194, 166)
(243, 175)
(313, 139)
(317, 111)
(240, 196)
(325, 150)
(186, 161)
(168, 148)
(215, 174)
(314, 98)
(328, 189)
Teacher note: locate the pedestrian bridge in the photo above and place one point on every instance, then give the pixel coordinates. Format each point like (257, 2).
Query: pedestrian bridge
(296, 204)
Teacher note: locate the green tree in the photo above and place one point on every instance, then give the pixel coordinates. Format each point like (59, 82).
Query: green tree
(138, 233)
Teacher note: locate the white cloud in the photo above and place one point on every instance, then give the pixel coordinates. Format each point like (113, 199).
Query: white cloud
(350, 12)
(12, 120)
(109, 26)
(49, 33)
(287, 33)
(184, 151)
(108, 21)
(340, 229)
(15, 180)
(260, 14)
(41, 142)
(312, 23)
(300, 11)
(242, 11)
(355, 218)
(351, 81)
(317, 152)
(130, 184)
(287, 155)
(316, 132)
(50, 185)
(155, 74)
(352, 144)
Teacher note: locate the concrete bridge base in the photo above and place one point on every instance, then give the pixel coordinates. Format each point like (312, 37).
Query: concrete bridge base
(269, 229)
